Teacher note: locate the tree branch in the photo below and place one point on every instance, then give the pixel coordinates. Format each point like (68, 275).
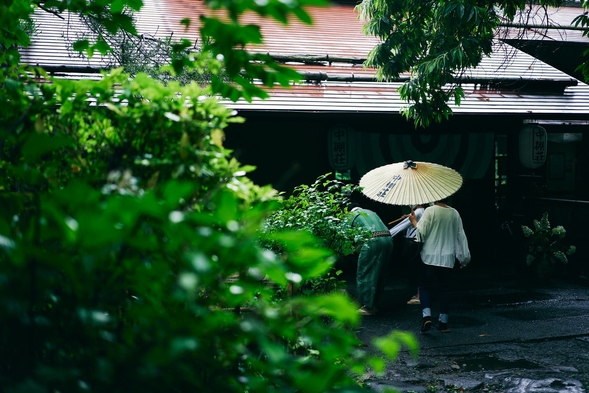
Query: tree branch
(49, 11)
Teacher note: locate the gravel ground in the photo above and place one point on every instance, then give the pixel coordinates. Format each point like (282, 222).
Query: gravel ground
(505, 338)
(560, 365)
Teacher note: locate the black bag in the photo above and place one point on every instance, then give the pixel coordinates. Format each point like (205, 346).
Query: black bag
(411, 250)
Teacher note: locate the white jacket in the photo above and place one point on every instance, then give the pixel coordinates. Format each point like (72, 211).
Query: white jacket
(441, 232)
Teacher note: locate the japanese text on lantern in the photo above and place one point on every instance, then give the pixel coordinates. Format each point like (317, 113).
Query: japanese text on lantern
(340, 147)
(539, 146)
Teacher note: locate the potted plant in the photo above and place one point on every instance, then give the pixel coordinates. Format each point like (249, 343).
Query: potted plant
(545, 249)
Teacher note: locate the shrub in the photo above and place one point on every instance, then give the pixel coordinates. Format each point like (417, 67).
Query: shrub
(119, 283)
(122, 219)
(320, 209)
(545, 249)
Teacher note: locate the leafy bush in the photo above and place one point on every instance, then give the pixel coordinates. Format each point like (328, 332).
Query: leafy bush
(122, 219)
(545, 249)
(119, 283)
(320, 209)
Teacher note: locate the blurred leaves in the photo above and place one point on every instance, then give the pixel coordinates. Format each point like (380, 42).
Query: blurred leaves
(130, 239)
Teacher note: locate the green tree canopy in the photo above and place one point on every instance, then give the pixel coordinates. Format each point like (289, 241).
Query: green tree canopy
(435, 41)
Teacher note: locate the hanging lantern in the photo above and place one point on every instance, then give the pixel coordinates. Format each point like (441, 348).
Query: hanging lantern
(342, 148)
(532, 146)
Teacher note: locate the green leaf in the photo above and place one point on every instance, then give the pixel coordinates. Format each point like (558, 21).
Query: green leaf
(77, 195)
(121, 22)
(377, 364)
(102, 46)
(450, 8)
(185, 22)
(176, 191)
(117, 6)
(81, 45)
(38, 145)
(303, 15)
(135, 5)
(337, 306)
(391, 344)
(226, 207)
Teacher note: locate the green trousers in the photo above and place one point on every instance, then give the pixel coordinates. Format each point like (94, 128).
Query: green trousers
(373, 263)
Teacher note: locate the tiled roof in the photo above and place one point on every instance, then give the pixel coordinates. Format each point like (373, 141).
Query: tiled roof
(356, 97)
(560, 21)
(508, 82)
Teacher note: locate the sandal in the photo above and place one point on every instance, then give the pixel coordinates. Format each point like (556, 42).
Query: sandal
(367, 311)
(427, 324)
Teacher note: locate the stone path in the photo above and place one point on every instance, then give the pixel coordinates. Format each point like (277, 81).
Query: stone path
(505, 337)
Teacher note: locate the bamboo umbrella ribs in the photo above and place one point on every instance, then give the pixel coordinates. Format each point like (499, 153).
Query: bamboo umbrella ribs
(410, 183)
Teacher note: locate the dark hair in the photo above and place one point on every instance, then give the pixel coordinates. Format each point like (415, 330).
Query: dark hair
(352, 205)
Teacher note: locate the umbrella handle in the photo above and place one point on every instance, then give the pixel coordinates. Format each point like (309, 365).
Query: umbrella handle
(398, 219)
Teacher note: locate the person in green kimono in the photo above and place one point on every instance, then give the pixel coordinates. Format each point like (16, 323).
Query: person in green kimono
(373, 258)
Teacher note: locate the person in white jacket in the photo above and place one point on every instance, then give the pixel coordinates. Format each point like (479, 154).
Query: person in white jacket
(441, 232)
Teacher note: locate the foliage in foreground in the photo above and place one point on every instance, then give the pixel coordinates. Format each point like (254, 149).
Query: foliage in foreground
(123, 219)
(120, 283)
(545, 250)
